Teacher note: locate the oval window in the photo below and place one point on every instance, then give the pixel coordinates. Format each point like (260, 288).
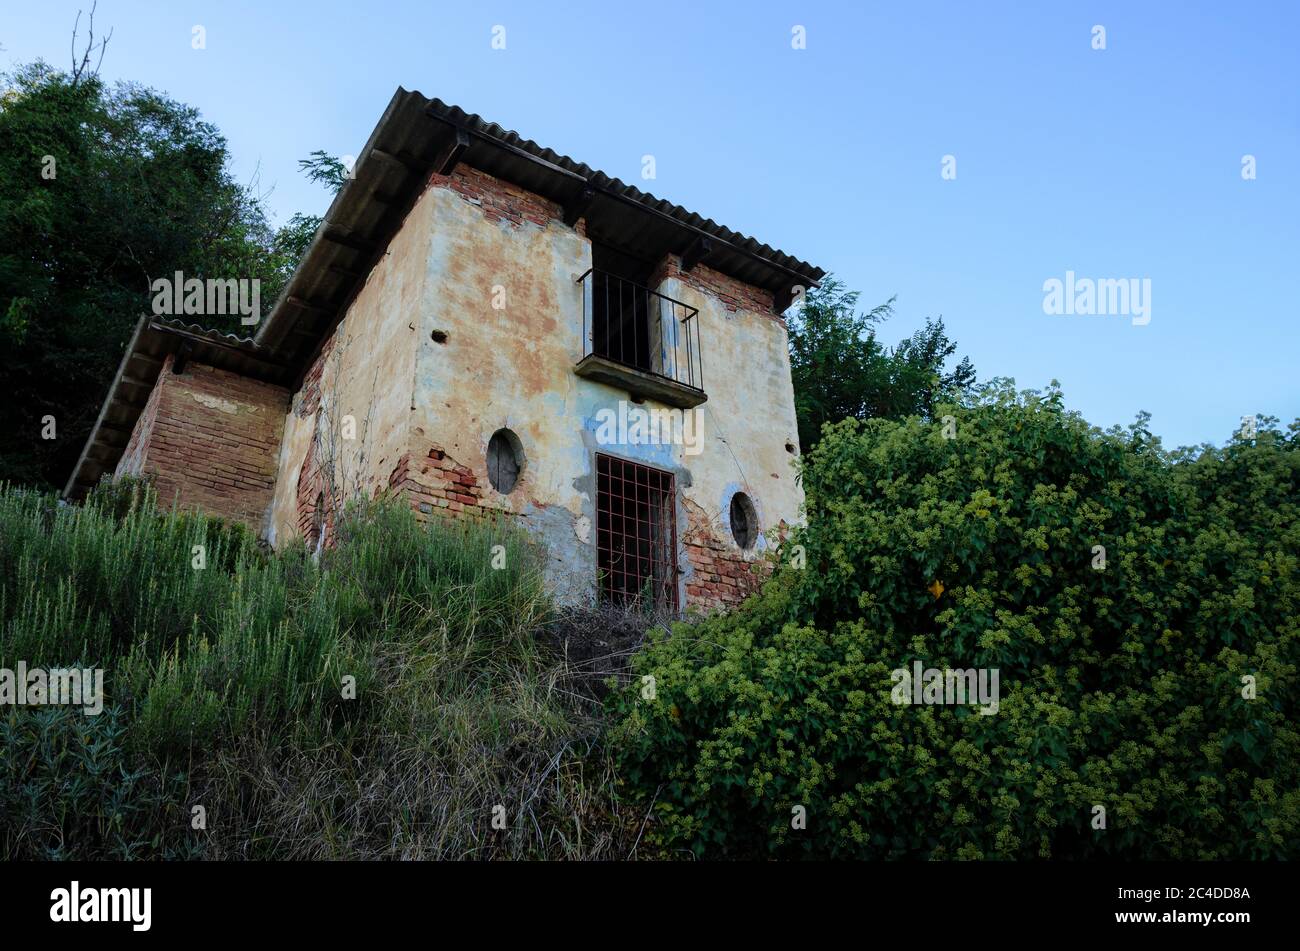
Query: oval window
(744, 521)
(505, 460)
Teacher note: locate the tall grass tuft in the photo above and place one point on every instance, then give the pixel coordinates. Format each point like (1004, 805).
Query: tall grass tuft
(390, 699)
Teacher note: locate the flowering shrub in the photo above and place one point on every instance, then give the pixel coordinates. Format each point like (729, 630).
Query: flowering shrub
(1139, 606)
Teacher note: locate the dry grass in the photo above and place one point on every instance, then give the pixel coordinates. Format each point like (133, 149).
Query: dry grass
(468, 709)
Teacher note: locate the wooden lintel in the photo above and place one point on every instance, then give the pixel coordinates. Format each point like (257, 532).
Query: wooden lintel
(449, 156)
(577, 206)
(699, 249)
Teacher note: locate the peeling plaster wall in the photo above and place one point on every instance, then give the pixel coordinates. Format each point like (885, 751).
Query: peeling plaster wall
(749, 419)
(506, 366)
(474, 323)
(366, 371)
(511, 366)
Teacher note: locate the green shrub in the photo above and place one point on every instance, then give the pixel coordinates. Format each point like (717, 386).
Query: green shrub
(68, 790)
(118, 497)
(192, 652)
(226, 689)
(1120, 687)
(466, 713)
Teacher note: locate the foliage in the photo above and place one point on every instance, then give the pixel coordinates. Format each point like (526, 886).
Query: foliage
(103, 190)
(292, 240)
(1120, 686)
(229, 683)
(66, 790)
(841, 370)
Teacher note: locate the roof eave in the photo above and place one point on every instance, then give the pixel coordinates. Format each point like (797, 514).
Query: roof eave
(152, 341)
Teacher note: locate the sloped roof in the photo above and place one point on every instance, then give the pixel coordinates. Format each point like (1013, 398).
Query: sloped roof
(418, 136)
(415, 138)
(598, 179)
(154, 339)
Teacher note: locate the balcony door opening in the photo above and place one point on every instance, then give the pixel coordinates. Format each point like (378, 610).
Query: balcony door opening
(622, 308)
(636, 534)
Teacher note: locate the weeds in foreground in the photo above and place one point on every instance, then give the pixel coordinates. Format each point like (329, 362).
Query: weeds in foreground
(393, 700)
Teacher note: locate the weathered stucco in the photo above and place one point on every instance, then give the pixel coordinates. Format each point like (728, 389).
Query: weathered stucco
(473, 322)
(503, 291)
(366, 372)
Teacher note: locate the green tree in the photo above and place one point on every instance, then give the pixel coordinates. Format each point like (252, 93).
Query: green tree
(102, 190)
(841, 370)
(292, 240)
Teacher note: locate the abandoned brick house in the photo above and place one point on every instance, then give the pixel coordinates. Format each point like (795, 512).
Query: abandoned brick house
(473, 314)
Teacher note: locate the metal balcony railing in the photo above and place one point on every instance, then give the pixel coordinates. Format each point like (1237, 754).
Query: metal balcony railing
(639, 328)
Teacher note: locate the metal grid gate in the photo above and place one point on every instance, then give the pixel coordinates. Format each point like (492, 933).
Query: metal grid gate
(636, 533)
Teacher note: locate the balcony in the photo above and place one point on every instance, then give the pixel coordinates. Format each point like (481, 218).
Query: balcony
(640, 341)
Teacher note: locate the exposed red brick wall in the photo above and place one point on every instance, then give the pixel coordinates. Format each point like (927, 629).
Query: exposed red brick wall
(437, 483)
(134, 457)
(498, 200)
(310, 497)
(721, 576)
(309, 400)
(311, 481)
(210, 440)
(733, 294)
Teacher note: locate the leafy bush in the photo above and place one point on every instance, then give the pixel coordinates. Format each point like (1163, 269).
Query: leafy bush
(67, 790)
(1121, 686)
(225, 688)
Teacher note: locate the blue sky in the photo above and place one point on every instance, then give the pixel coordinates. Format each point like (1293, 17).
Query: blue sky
(1117, 163)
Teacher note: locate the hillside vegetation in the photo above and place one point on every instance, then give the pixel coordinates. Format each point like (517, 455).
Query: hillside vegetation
(1121, 687)
(225, 689)
(1140, 608)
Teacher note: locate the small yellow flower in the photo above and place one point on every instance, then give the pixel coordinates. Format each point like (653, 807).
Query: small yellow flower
(936, 588)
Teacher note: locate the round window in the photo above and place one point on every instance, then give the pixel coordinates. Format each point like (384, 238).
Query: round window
(744, 521)
(505, 460)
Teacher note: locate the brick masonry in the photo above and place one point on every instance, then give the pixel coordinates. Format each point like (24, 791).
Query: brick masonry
(438, 484)
(721, 575)
(314, 523)
(734, 295)
(210, 439)
(499, 200)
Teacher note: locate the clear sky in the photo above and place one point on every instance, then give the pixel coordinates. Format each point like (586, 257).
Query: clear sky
(1117, 163)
